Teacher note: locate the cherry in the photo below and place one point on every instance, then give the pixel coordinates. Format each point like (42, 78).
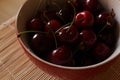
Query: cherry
(62, 55)
(93, 6)
(101, 51)
(40, 44)
(35, 24)
(66, 13)
(109, 37)
(83, 59)
(88, 38)
(104, 20)
(53, 25)
(68, 35)
(84, 19)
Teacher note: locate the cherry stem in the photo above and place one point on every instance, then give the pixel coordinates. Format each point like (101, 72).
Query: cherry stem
(31, 31)
(56, 45)
(51, 30)
(107, 24)
(102, 28)
(112, 13)
(70, 2)
(44, 14)
(62, 27)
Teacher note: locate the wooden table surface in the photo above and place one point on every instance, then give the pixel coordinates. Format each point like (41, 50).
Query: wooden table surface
(9, 8)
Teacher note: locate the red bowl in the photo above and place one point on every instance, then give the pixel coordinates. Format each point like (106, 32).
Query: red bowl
(29, 9)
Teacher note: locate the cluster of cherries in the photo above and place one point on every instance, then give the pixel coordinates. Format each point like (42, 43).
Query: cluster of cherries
(80, 33)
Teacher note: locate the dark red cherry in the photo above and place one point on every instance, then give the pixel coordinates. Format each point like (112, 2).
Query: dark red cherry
(109, 37)
(66, 13)
(68, 35)
(53, 25)
(88, 38)
(101, 51)
(40, 44)
(78, 4)
(62, 55)
(83, 59)
(93, 6)
(104, 20)
(84, 19)
(35, 24)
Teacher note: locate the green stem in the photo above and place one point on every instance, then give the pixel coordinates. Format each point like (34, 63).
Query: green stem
(54, 36)
(50, 29)
(70, 2)
(25, 32)
(62, 27)
(103, 27)
(111, 15)
(44, 14)
(56, 45)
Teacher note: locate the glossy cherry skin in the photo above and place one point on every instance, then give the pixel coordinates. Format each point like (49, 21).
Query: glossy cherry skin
(101, 52)
(40, 44)
(88, 38)
(62, 56)
(68, 35)
(93, 6)
(53, 25)
(104, 20)
(84, 19)
(35, 24)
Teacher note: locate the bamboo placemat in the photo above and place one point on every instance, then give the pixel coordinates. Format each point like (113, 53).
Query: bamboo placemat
(15, 65)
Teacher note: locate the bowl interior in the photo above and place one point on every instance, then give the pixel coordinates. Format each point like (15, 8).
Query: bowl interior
(29, 10)
(31, 7)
